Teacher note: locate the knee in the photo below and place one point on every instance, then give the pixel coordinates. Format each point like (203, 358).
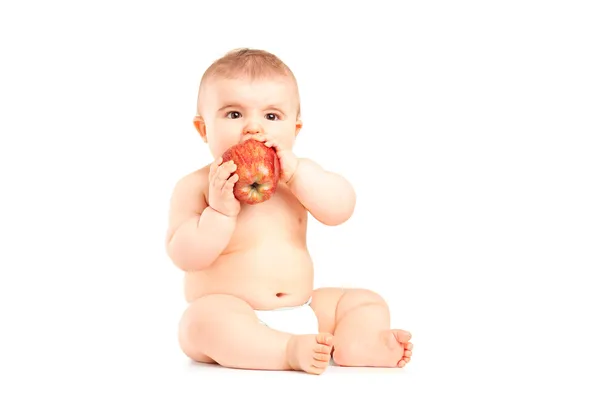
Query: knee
(196, 321)
(354, 298)
(364, 295)
(190, 327)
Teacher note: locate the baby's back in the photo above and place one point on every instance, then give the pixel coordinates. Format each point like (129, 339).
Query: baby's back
(266, 262)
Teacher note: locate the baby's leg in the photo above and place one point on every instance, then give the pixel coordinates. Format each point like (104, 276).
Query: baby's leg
(360, 321)
(224, 329)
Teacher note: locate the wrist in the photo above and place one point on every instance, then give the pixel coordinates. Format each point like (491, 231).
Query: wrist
(294, 173)
(221, 213)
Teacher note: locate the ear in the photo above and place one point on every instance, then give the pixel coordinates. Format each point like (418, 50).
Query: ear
(298, 126)
(200, 127)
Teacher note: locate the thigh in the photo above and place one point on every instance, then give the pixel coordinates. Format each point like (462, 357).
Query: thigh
(200, 322)
(324, 303)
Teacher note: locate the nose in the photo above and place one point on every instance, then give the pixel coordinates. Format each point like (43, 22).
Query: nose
(253, 128)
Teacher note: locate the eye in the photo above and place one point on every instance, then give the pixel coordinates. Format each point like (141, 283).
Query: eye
(233, 114)
(271, 117)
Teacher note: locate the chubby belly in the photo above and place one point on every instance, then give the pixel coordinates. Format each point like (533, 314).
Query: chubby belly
(276, 274)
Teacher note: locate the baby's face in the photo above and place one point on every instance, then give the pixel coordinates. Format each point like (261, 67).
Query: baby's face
(233, 109)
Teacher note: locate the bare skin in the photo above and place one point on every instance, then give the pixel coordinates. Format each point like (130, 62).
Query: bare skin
(271, 268)
(223, 329)
(239, 258)
(360, 321)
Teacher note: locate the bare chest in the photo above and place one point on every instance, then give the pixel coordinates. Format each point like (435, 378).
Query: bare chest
(282, 218)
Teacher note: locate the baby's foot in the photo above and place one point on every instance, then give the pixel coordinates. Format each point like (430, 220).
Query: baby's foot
(310, 353)
(389, 348)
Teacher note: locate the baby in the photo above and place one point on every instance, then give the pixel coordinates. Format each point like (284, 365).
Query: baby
(250, 289)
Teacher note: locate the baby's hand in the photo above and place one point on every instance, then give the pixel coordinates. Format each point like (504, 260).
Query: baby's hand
(220, 188)
(287, 160)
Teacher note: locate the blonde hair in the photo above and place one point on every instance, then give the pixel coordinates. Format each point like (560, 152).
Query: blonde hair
(248, 63)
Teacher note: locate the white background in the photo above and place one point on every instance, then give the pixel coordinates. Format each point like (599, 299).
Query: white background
(469, 130)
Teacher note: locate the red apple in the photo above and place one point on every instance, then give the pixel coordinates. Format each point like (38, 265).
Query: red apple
(258, 170)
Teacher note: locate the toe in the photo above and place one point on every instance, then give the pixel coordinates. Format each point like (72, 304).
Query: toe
(320, 364)
(407, 353)
(325, 338)
(409, 346)
(315, 370)
(322, 357)
(323, 349)
(401, 363)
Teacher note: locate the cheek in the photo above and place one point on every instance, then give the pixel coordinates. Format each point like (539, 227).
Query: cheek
(222, 135)
(220, 130)
(286, 133)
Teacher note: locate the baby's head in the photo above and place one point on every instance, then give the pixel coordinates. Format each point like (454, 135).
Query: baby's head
(247, 92)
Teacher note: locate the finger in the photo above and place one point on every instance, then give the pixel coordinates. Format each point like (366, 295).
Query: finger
(270, 142)
(225, 170)
(281, 152)
(214, 166)
(223, 174)
(258, 136)
(230, 183)
(231, 168)
(233, 178)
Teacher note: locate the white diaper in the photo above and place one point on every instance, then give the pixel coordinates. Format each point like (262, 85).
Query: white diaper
(298, 320)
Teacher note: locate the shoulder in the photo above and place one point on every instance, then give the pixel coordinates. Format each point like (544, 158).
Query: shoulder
(193, 178)
(191, 185)
(305, 161)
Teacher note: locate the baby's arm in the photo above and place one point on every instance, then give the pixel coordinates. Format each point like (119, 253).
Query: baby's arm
(197, 233)
(329, 197)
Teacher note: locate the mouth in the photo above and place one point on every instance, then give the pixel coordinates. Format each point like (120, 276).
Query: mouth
(250, 137)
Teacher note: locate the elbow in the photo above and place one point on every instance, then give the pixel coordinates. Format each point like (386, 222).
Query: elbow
(341, 211)
(188, 261)
(333, 220)
(178, 255)
(338, 218)
(186, 257)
